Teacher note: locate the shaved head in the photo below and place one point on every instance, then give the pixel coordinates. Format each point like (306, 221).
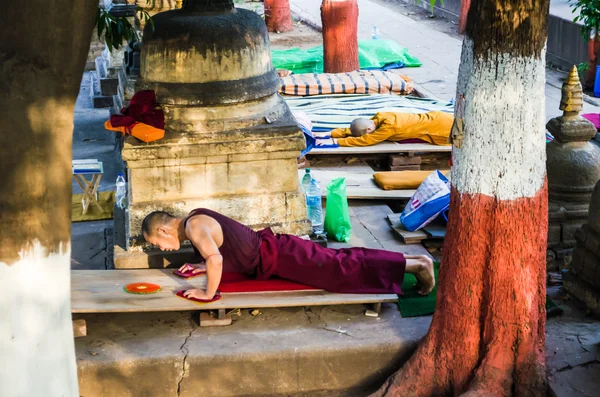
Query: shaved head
(361, 126)
(154, 220)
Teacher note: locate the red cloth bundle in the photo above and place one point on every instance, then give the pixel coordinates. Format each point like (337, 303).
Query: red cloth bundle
(143, 109)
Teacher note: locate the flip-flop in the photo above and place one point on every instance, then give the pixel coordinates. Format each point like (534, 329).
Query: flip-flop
(214, 299)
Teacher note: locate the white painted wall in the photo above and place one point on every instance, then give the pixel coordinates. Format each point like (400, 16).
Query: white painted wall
(503, 153)
(37, 350)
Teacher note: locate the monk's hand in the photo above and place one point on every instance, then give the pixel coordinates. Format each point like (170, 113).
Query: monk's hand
(185, 268)
(197, 294)
(326, 142)
(322, 135)
(195, 267)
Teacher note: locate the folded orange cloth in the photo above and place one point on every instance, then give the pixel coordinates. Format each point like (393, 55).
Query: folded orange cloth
(141, 131)
(399, 180)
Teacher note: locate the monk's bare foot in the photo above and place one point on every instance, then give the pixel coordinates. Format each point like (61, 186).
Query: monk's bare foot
(422, 268)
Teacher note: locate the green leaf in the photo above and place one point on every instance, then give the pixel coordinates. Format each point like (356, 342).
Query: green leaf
(101, 25)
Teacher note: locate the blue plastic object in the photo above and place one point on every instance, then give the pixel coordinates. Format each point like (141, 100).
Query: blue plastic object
(597, 82)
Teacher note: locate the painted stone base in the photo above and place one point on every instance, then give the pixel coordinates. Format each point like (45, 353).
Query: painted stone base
(249, 174)
(583, 291)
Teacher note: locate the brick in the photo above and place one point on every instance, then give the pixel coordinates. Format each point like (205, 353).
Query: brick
(404, 160)
(404, 168)
(568, 233)
(101, 101)
(109, 86)
(554, 234)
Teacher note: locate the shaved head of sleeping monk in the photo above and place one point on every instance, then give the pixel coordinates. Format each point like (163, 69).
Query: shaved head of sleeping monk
(226, 245)
(362, 126)
(430, 127)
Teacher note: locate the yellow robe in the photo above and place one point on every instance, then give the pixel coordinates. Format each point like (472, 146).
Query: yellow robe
(431, 127)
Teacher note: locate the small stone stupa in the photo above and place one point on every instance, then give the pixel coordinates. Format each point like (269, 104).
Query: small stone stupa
(583, 278)
(573, 166)
(231, 143)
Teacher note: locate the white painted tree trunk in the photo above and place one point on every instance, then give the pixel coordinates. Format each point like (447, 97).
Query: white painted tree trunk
(37, 352)
(503, 154)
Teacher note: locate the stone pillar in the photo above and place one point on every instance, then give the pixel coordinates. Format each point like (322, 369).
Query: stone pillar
(573, 166)
(583, 278)
(231, 142)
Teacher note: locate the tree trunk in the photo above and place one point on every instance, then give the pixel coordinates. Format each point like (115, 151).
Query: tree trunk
(340, 35)
(462, 18)
(278, 16)
(487, 334)
(42, 56)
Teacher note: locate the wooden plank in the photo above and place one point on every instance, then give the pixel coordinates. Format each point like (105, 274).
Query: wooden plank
(370, 229)
(101, 291)
(358, 186)
(354, 166)
(407, 237)
(384, 147)
(435, 232)
(79, 328)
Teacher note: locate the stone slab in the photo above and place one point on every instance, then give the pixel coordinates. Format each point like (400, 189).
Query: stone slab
(279, 352)
(582, 291)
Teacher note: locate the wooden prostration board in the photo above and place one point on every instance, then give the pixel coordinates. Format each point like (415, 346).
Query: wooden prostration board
(407, 237)
(384, 147)
(101, 291)
(358, 185)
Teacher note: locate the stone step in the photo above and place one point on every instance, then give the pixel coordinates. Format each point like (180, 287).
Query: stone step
(98, 100)
(331, 350)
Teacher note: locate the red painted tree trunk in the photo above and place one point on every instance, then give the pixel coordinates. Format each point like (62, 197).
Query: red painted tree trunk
(278, 16)
(487, 334)
(340, 35)
(462, 18)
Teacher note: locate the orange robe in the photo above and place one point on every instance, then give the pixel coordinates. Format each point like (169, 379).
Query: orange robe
(431, 127)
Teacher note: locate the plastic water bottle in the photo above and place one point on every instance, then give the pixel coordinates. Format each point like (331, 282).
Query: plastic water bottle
(375, 34)
(313, 204)
(306, 179)
(121, 191)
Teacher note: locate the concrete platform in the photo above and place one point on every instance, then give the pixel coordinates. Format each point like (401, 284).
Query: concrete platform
(329, 350)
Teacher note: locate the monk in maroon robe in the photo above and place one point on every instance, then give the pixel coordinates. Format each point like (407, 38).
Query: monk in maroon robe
(227, 245)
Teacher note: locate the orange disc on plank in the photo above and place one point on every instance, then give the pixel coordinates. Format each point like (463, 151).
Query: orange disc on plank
(141, 288)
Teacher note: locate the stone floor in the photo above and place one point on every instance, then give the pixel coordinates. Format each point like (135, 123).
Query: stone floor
(572, 349)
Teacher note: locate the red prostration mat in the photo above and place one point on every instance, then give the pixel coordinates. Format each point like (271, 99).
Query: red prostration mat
(238, 283)
(214, 299)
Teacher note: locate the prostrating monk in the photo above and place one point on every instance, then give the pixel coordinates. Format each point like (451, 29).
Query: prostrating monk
(227, 245)
(430, 127)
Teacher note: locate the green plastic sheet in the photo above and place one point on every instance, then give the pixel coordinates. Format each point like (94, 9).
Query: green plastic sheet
(337, 215)
(371, 54)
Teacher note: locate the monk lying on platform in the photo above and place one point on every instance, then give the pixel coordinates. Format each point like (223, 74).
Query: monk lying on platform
(430, 127)
(227, 245)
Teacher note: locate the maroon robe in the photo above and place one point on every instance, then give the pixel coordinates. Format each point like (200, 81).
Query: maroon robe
(347, 270)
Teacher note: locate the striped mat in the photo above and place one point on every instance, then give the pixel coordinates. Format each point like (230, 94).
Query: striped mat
(337, 111)
(357, 82)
